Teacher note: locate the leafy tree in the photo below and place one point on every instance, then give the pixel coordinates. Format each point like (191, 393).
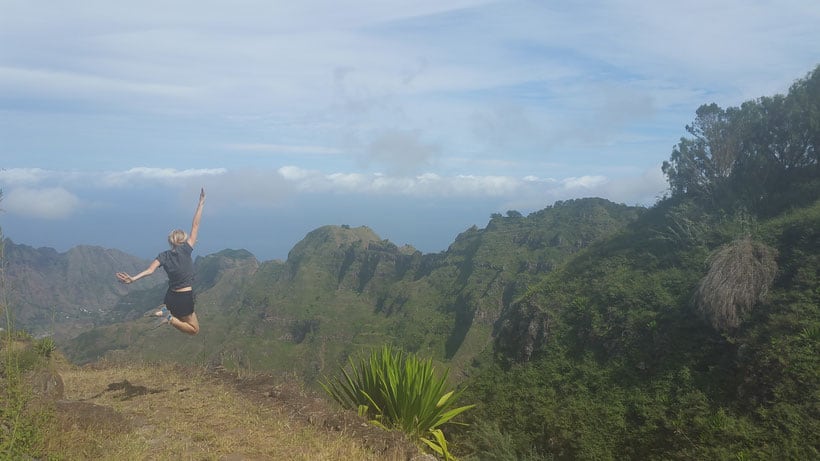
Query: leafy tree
(752, 156)
(701, 163)
(514, 214)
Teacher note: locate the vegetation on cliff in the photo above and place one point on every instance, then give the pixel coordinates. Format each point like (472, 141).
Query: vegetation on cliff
(693, 334)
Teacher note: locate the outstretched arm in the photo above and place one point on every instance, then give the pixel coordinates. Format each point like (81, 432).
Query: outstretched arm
(197, 217)
(125, 278)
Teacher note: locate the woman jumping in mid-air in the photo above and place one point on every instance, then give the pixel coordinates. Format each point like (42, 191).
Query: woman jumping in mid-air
(177, 262)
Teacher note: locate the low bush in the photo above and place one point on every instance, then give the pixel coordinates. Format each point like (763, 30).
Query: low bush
(395, 390)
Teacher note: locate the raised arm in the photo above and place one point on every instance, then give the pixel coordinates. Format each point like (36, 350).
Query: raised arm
(197, 217)
(125, 278)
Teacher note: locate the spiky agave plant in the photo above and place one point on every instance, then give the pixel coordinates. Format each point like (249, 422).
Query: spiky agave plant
(395, 390)
(45, 347)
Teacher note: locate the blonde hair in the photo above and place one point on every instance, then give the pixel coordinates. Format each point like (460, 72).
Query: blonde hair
(177, 237)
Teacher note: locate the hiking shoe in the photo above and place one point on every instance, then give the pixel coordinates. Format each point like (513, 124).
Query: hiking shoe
(165, 319)
(162, 321)
(162, 311)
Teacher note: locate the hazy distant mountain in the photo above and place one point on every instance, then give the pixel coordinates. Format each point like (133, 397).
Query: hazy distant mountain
(63, 293)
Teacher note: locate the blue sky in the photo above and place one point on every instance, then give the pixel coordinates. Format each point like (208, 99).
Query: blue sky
(416, 118)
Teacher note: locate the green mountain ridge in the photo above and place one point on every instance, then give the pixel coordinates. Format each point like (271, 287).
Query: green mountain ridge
(344, 289)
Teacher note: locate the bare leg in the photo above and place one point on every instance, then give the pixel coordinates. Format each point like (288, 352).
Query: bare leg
(188, 324)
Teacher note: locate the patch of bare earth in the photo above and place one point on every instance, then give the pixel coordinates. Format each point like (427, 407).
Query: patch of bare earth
(159, 411)
(307, 407)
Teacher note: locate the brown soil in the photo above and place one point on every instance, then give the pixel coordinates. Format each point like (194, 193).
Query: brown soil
(305, 406)
(147, 404)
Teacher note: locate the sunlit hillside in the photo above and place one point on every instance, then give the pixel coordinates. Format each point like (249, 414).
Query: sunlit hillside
(112, 411)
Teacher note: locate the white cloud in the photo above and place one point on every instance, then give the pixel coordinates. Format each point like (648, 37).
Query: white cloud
(140, 175)
(267, 187)
(23, 176)
(398, 86)
(294, 173)
(475, 102)
(423, 185)
(400, 81)
(644, 188)
(583, 182)
(46, 203)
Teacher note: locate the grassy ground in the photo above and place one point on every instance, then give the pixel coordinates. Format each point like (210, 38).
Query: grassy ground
(157, 412)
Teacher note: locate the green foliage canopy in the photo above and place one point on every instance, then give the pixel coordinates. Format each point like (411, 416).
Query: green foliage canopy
(608, 357)
(751, 156)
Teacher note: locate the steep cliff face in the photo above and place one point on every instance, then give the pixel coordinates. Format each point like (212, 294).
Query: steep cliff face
(486, 270)
(523, 330)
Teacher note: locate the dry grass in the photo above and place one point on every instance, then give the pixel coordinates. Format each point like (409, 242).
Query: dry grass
(739, 277)
(159, 412)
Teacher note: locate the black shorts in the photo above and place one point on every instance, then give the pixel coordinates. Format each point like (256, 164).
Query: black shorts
(180, 303)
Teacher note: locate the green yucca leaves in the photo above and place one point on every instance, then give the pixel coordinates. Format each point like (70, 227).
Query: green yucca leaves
(45, 347)
(439, 445)
(399, 391)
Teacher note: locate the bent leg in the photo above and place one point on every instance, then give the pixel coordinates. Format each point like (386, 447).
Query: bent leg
(188, 324)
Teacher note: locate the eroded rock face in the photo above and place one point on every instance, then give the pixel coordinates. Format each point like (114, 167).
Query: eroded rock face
(48, 385)
(523, 330)
(86, 415)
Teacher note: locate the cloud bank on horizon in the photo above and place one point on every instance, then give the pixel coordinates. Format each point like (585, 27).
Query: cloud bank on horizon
(298, 114)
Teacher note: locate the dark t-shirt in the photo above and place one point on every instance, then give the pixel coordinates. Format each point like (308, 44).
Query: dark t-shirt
(178, 265)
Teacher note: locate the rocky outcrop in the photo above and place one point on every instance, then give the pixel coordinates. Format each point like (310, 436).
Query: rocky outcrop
(47, 385)
(523, 330)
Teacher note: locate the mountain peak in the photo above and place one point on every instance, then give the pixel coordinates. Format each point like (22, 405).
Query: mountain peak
(329, 238)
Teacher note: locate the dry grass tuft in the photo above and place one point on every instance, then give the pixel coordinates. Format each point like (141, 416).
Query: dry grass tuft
(740, 274)
(160, 412)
